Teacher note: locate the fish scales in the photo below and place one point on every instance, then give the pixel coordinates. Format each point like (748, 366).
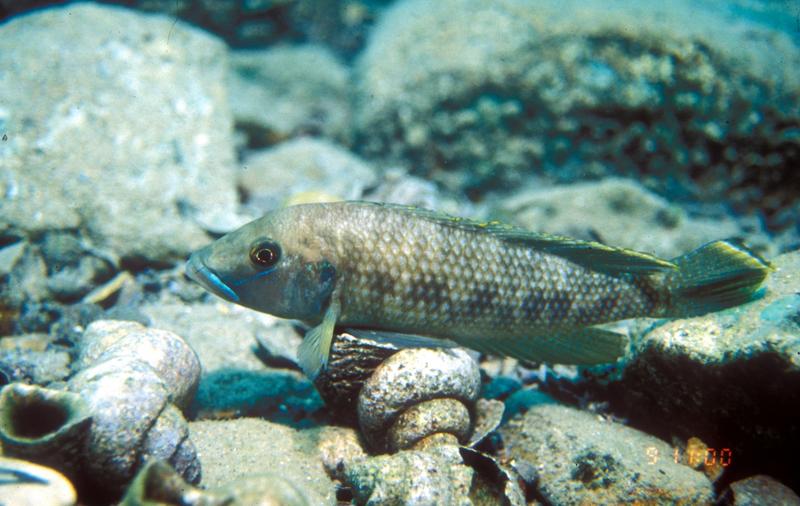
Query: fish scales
(407, 272)
(494, 288)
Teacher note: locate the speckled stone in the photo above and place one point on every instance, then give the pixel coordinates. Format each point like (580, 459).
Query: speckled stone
(305, 164)
(581, 459)
(761, 490)
(618, 211)
(72, 95)
(435, 476)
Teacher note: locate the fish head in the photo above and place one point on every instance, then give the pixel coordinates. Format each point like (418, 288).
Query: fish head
(275, 264)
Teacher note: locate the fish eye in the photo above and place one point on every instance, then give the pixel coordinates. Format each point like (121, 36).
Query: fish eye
(265, 254)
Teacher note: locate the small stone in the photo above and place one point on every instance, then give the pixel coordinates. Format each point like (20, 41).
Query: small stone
(761, 490)
(302, 165)
(581, 459)
(338, 448)
(284, 91)
(435, 476)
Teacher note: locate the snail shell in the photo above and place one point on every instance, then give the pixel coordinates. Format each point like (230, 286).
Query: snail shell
(417, 393)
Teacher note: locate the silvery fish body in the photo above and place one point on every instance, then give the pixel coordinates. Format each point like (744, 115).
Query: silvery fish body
(488, 286)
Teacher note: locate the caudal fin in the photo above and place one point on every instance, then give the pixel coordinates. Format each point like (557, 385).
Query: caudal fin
(715, 276)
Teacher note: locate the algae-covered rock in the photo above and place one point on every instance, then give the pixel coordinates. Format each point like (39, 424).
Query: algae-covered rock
(435, 476)
(121, 131)
(581, 459)
(501, 90)
(729, 378)
(289, 90)
(234, 449)
(305, 165)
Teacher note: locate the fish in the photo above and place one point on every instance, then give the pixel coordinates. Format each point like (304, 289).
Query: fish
(488, 286)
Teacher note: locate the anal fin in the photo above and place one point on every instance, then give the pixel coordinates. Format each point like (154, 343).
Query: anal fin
(578, 346)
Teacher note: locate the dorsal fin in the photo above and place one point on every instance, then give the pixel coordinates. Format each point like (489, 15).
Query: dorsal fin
(590, 254)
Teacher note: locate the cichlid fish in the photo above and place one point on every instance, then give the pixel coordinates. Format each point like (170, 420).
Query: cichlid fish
(487, 286)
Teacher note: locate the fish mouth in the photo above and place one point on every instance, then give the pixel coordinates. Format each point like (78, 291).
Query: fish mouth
(197, 271)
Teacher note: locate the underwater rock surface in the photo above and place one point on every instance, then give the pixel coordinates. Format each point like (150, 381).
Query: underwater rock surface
(303, 166)
(121, 135)
(581, 459)
(620, 211)
(235, 379)
(287, 91)
(233, 449)
(728, 377)
(514, 88)
(435, 476)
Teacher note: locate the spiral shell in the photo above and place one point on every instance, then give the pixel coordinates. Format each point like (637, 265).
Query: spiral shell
(134, 379)
(417, 393)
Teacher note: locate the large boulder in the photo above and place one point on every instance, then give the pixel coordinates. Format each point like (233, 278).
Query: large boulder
(731, 378)
(120, 133)
(689, 96)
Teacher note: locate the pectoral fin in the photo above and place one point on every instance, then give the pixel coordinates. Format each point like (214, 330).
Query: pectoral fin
(313, 352)
(580, 346)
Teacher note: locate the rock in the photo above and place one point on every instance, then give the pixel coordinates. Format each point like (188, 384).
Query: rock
(339, 447)
(143, 100)
(34, 358)
(285, 91)
(342, 24)
(581, 459)
(619, 212)
(234, 449)
(725, 377)
(234, 379)
(23, 275)
(271, 177)
(761, 490)
(435, 476)
(498, 92)
(399, 187)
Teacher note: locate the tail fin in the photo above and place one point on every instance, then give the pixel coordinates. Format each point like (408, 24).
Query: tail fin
(715, 276)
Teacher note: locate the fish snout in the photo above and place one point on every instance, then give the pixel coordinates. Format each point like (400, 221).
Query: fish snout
(208, 279)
